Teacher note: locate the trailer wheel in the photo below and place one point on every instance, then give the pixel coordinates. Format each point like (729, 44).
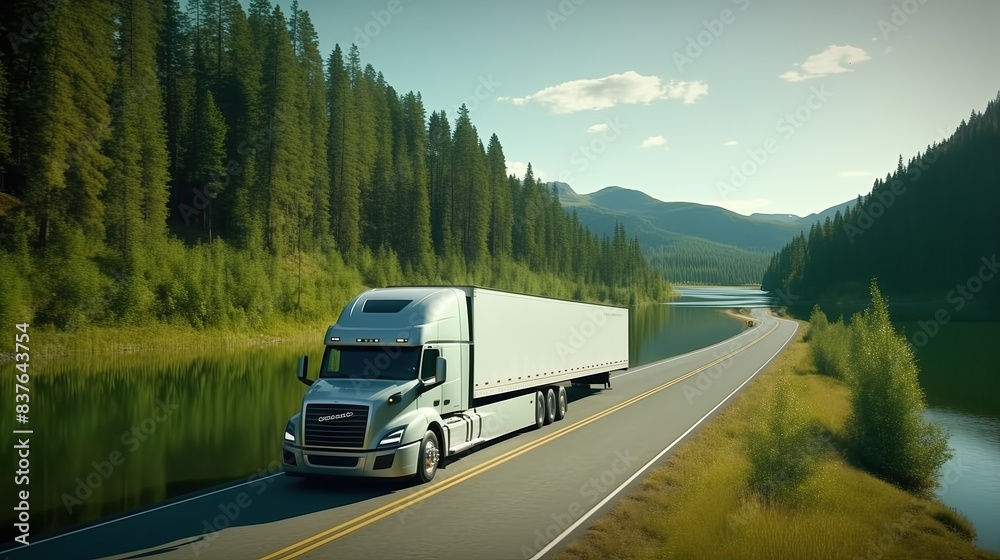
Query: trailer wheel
(562, 403)
(550, 405)
(539, 409)
(427, 462)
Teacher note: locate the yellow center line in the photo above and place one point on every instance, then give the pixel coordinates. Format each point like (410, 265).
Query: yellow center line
(329, 535)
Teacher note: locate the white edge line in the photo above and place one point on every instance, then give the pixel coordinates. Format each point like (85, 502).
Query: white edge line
(608, 498)
(137, 514)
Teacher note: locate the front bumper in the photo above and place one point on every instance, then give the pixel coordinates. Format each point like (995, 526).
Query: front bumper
(383, 463)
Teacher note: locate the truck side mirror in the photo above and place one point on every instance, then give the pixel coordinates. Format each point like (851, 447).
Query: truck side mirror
(440, 369)
(304, 370)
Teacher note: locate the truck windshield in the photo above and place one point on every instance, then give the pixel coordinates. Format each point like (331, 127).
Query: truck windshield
(393, 363)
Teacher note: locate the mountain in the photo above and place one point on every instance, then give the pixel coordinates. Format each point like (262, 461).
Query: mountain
(710, 223)
(928, 233)
(809, 220)
(689, 242)
(784, 218)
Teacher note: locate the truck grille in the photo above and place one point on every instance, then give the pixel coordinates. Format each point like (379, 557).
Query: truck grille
(343, 425)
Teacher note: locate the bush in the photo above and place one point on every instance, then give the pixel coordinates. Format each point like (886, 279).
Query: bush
(886, 426)
(830, 349)
(780, 446)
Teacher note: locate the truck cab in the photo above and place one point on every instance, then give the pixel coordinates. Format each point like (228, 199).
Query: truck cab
(393, 365)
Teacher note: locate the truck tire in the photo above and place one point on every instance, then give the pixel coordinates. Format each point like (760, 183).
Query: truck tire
(550, 405)
(430, 455)
(539, 409)
(562, 403)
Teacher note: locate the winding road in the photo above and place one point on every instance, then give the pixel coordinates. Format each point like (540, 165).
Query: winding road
(525, 496)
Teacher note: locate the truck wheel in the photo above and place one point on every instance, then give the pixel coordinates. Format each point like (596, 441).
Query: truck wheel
(550, 405)
(427, 462)
(539, 409)
(562, 403)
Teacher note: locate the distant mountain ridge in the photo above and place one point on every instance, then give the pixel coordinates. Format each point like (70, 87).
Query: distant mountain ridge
(691, 242)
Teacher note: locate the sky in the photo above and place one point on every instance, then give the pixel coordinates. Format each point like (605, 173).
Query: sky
(777, 107)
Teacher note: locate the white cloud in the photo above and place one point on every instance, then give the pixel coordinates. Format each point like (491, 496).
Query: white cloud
(598, 128)
(830, 61)
(654, 142)
(732, 143)
(745, 207)
(519, 168)
(593, 94)
(856, 174)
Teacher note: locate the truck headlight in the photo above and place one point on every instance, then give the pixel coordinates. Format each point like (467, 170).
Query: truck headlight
(393, 438)
(290, 432)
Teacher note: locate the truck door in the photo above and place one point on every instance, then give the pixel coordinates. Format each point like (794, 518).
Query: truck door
(430, 397)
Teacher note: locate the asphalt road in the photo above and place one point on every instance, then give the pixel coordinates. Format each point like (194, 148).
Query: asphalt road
(525, 496)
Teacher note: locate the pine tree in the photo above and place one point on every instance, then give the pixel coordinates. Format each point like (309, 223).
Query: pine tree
(136, 198)
(206, 158)
(176, 76)
(501, 203)
(67, 171)
(248, 137)
(471, 197)
(345, 202)
(419, 250)
(318, 126)
(440, 170)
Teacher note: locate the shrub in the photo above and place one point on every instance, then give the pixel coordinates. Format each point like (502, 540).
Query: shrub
(780, 446)
(886, 425)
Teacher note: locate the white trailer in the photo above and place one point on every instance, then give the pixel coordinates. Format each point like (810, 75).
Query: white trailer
(410, 375)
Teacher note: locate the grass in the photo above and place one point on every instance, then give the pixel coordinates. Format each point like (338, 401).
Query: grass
(698, 505)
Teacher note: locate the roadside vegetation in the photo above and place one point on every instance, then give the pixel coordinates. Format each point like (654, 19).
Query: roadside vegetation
(795, 469)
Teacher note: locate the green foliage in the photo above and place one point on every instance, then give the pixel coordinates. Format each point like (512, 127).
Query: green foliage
(830, 345)
(886, 234)
(197, 167)
(886, 426)
(780, 446)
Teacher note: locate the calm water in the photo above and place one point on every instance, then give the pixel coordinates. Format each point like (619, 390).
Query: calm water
(119, 432)
(958, 373)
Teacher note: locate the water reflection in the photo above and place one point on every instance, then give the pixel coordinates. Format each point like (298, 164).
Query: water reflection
(701, 296)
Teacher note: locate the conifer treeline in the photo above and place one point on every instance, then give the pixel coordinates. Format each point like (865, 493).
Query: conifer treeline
(927, 228)
(169, 163)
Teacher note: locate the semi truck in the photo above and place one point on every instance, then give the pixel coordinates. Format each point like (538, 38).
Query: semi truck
(411, 375)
